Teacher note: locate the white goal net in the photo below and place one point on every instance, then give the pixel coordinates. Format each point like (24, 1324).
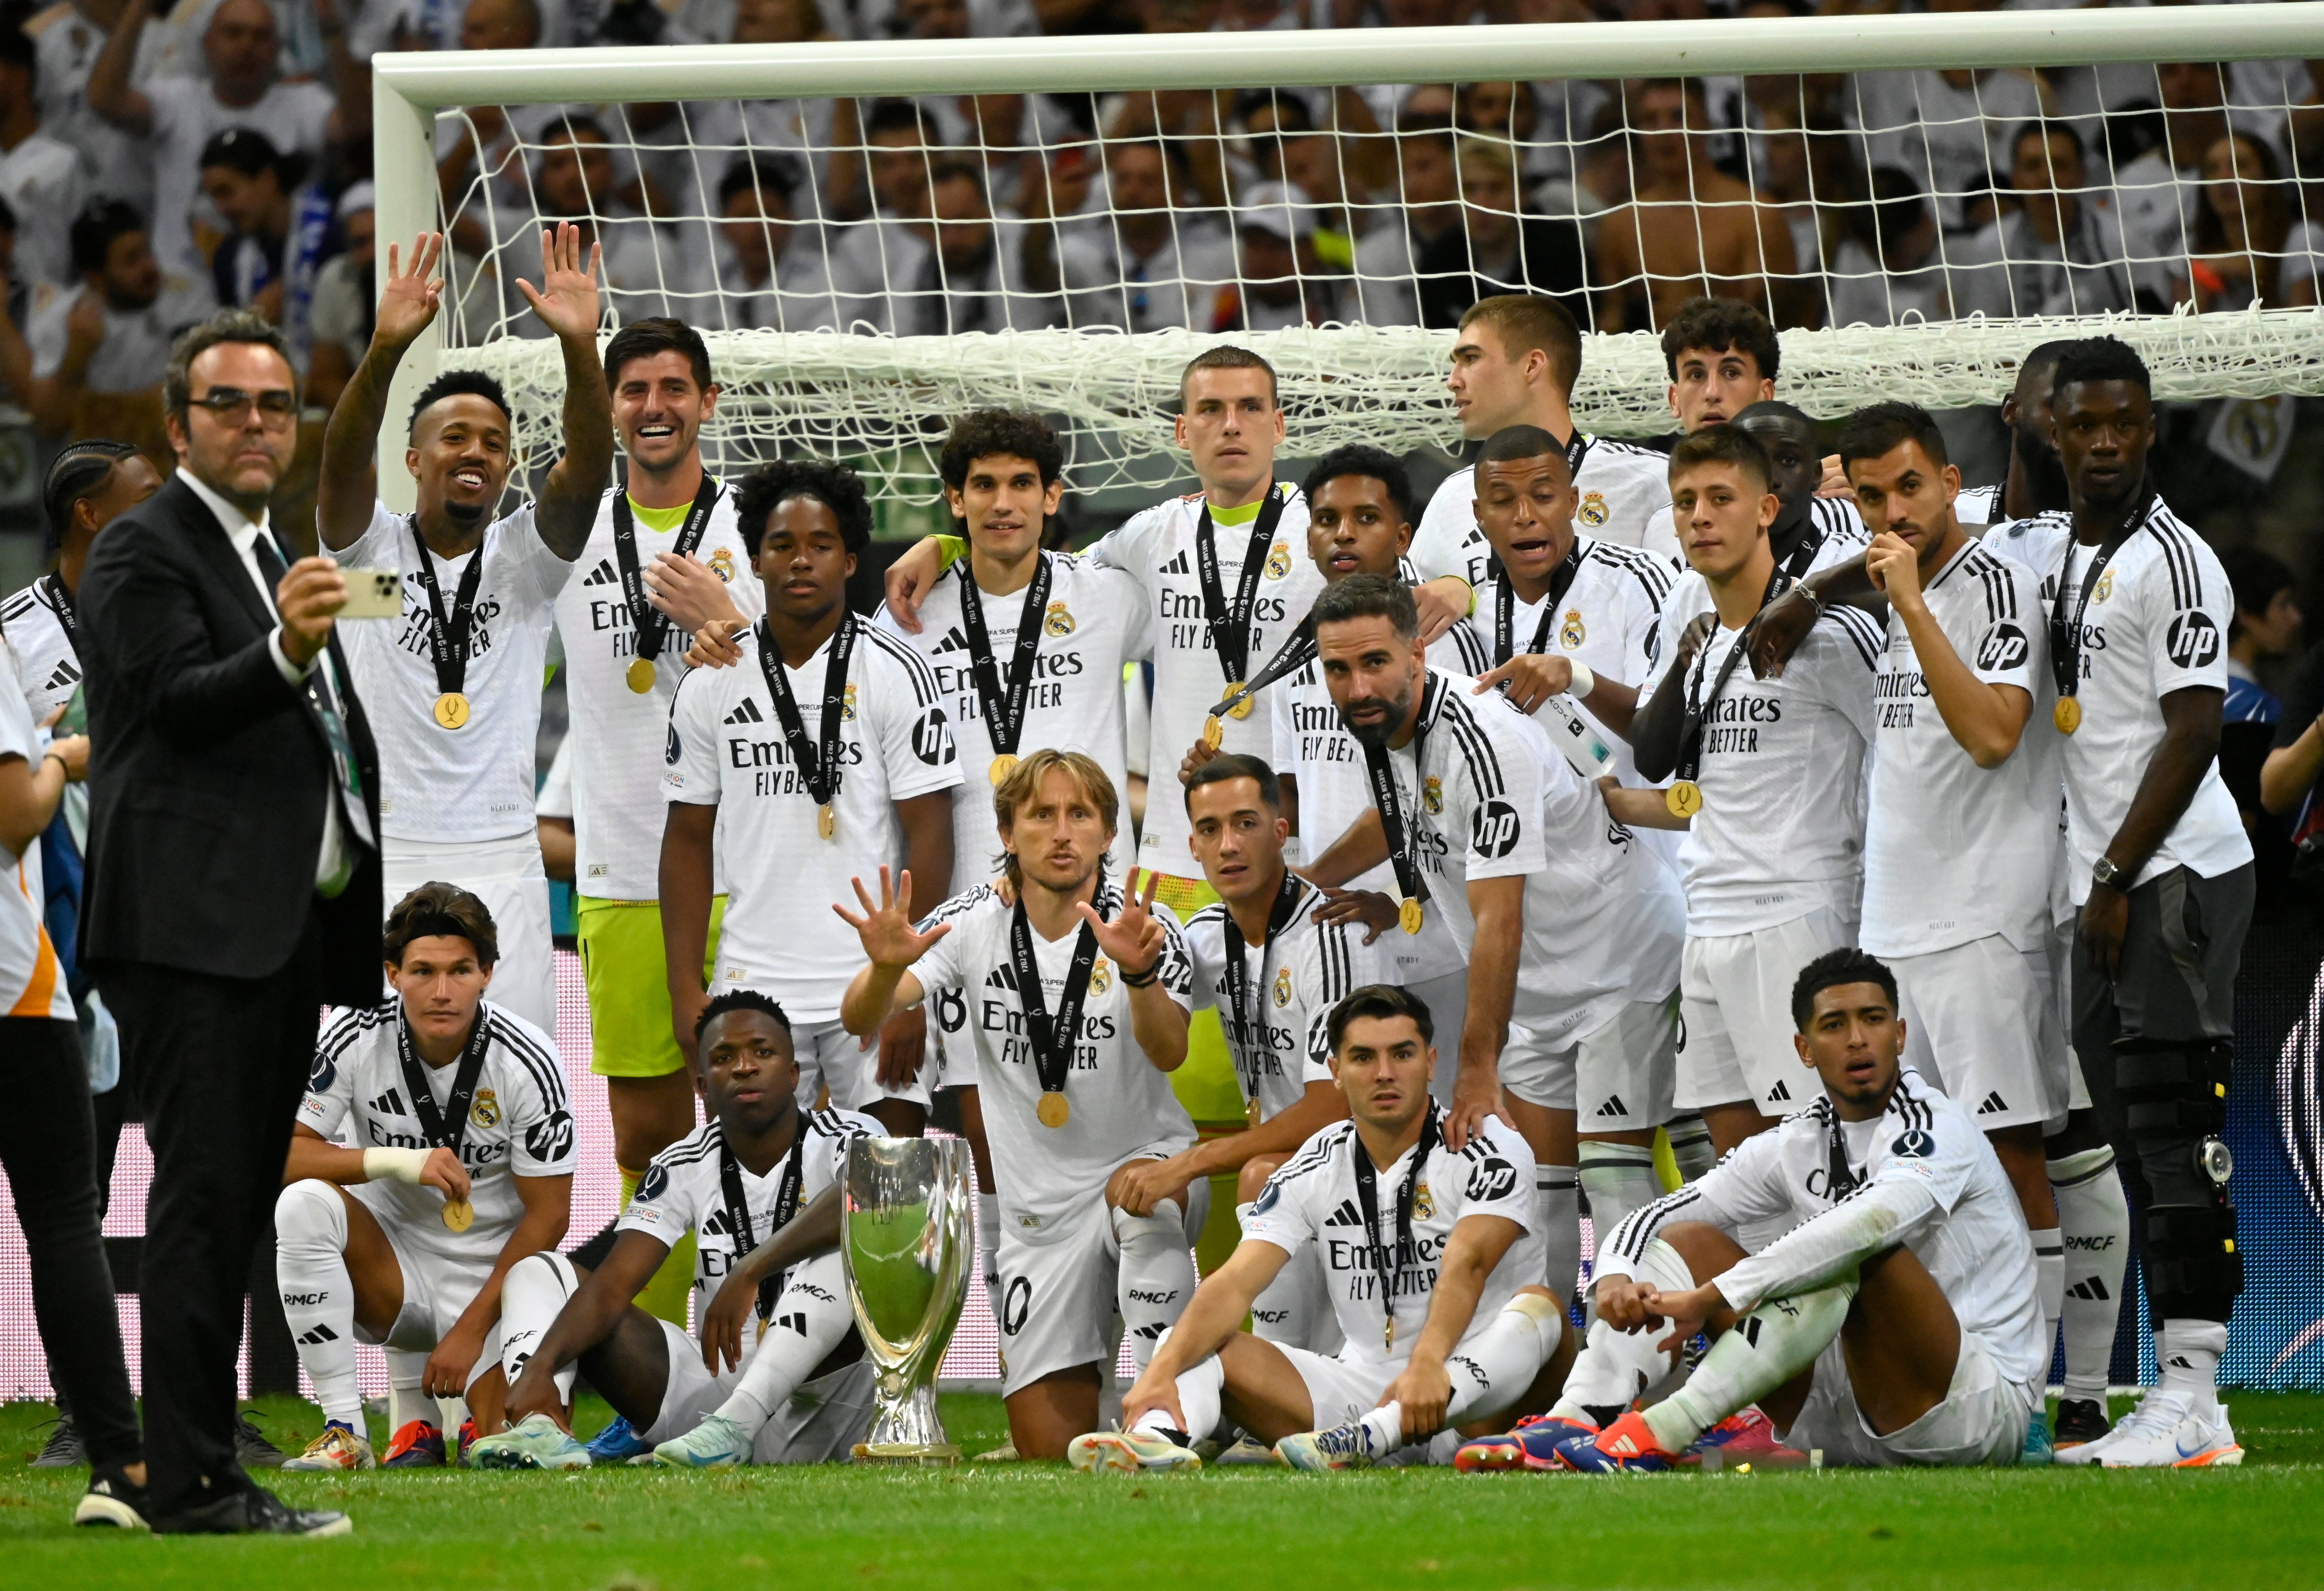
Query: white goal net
(877, 236)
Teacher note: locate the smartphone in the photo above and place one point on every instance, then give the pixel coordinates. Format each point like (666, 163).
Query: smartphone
(373, 594)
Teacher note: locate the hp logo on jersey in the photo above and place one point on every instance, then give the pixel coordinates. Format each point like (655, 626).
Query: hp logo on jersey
(2003, 647)
(1493, 830)
(932, 738)
(1492, 1178)
(2192, 640)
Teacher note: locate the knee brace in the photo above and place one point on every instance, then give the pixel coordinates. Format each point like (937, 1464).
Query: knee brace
(2173, 1089)
(2193, 1268)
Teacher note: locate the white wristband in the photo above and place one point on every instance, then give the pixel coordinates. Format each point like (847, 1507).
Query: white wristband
(1584, 681)
(395, 1165)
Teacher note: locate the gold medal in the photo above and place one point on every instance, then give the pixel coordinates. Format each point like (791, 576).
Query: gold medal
(1242, 709)
(1212, 730)
(2067, 716)
(452, 709)
(1053, 1111)
(1410, 916)
(459, 1215)
(1003, 765)
(826, 821)
(640, 675)
(1387, 1333)
(1250, 1113)
(1683, 799)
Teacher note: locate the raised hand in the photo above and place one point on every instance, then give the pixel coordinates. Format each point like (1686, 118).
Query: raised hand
(408, 300)
(1896, 569)
(566, 298)
(1135, 939)
(889, 939)
(1532, 677)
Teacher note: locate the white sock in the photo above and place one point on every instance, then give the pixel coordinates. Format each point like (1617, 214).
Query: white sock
(1617, 1179)
(1383, 1429)
(2188, 1356)
(407, 1369)
(1689, 1142)
(811, 1318)
(1615, 1366)
(2050, 1289)
(1199, 1389)
(1767, 1348)
(1290, 1309)
(2094, 1217)
(988, 1247)
(318, 1299)
(533, 1292)
(1491, 1368)
(1156, 1276)
(1557, 1201)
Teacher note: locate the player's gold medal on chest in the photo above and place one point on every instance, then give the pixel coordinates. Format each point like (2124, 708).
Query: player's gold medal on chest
(452, 710)
(459, 1215)
(1242, 709)
(1388, 1332)
(1053, 1111)
(640, 675)
(1683, 798)
(1409, 914)
(827, 820)
(1250, 1114)
(1213, 730)
(2067, 716)
(1004, 764)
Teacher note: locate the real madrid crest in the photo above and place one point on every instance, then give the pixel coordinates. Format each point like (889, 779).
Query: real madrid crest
(1100, 976)
(1432, 795)
(1594, 509)
(847, 702)
(1282, 985)
(722, 563)
(1573, 632)
(1424, 1206)
(1278, 560)
(485, 1112)
(2106, 587)
(1058, 622)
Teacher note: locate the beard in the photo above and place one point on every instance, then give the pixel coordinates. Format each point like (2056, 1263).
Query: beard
(1394, 709)
(467, 515)
(2045, 476)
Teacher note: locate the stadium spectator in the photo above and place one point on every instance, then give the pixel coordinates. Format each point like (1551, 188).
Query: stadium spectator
(954, 270)
(2248, 228)
(2265, 629)
(1422, 205)
(771, 274)
(68, 37)
(647, 271)
(249, 185)
(1887, 267)
(1147, 265)
(98, 354)
(484, 143)
(344, 302)
(1281, 281)
(1952, 129)
(40, 179)
(2058, 252)
(2159, 194)
(1498, 248)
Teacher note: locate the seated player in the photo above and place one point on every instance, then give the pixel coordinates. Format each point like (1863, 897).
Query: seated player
(1076, 998)
(1897, 1323)
(1430, 1252)
(744, 1394)
(455, 1161)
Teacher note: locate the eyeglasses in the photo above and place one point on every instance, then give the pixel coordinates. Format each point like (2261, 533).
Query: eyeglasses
(276, 407)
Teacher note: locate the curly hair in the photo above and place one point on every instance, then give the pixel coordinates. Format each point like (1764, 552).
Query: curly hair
(832, 484)
(1000, 433)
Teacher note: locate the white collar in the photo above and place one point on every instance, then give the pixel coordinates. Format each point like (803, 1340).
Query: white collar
(240, 527)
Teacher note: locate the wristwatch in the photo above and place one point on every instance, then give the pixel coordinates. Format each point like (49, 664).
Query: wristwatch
(2104, 871)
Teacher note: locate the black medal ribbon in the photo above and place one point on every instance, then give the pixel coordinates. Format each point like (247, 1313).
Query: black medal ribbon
(2065, 633)
(1297, 652)
(818, 764)
(739, 1229)
(432, 1122)
(1053, 1038)
(61, 600)
(1577, 448)
(1813, 537)
(448, 639)
(1505, 608)
(1381, 771)
(1841, 1179)
(1384, 1265)
(1699, 707)
(1279, 917)
(1002, 702)
(1230, 628)
(652, 623)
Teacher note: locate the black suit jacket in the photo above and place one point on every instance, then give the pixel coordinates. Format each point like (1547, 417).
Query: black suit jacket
(208, 769)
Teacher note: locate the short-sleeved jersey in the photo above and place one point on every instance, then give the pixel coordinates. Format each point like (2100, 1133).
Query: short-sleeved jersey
(2156, 622)
(1121, 1106)
(1924, 1159)
(683, 1192)
(1157, 547)
(1312, 1198)
(441, 785)
(1781, 832)
(48, 664)
(1980, 505)
(1490, 797)
(32, 979)
(1622, 495)
(726, 748)
(519, 1120)
(1952, 851)
(618, 733)
(1095, 621)
(1287, 1002)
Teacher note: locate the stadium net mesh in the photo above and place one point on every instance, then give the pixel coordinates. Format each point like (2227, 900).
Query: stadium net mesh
(1002, 222)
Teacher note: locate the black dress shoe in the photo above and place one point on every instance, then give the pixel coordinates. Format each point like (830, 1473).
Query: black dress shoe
(252, 1512)
(112, 1499)
(252, 1448)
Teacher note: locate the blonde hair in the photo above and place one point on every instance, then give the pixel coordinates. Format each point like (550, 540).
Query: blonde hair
(1024, 781)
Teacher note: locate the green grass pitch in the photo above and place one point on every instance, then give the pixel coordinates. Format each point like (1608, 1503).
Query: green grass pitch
(1041, 1525)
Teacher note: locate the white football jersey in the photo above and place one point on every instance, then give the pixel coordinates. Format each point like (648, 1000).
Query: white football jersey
(440, 785)
(1954, 852)
(683, 1190)
(1312, 1198)
(1282, 1044)
(2156, 622)
(520, 1121)
(1121, 1106)
(726, 748)
(1157, 547)
(1922, 1163)
(1781, 832)
(1980, 505)
(1621, 494)
(1603, 921)
(618, 733)
(1094, 621)
(47, 663)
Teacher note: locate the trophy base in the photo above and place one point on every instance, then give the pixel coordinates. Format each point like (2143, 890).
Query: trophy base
(942, 1455)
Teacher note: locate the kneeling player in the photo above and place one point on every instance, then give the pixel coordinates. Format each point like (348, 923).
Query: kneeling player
(1427, 1250)
(457, 1162)
(779, 1375)
(1897, 1323)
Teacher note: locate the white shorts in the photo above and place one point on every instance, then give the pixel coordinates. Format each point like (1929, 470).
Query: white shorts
(1982, 1419)
(1735, 1014)
(1616, 1078)
(1977, 1019)
(506, 875)
(831, 1057)
(1058, 1296)
(1343, 1389)
(820, 1424)
(2057, 1043)
(438, 1289)
(1447, 999)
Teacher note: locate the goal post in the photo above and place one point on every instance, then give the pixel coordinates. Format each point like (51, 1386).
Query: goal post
(865, 392)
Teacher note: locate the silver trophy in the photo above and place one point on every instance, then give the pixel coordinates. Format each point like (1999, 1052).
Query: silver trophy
(906, 1240)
